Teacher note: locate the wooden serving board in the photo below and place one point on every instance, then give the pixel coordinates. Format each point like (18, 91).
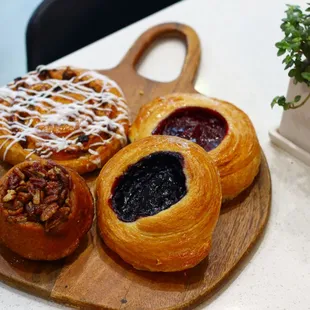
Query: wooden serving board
(94, 276)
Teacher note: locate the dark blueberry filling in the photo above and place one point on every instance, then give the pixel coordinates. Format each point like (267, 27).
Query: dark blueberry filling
(153, 184)
(202, 126)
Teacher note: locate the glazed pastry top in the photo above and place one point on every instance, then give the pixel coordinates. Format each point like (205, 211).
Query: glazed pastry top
(61, 113)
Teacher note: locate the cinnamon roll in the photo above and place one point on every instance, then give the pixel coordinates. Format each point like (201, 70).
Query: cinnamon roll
(77, 118)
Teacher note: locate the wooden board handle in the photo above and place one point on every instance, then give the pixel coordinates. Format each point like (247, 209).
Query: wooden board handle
(182, 31)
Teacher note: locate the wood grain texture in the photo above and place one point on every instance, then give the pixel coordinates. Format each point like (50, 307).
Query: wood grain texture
(94, 276)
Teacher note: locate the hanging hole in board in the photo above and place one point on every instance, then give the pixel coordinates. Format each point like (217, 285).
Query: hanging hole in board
(163, 60)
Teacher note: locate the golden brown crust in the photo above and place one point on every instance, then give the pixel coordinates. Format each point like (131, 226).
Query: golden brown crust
(177, 238)
(31, 240)
(237, 157)
(76, 157)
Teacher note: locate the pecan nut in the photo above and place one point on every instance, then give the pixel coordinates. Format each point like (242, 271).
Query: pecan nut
(36, 197)
(10, 195)
(51, 198)
(19, 173)
(16, 212)
(38, 194)
(49, 211)
(17, 219)
(37, 182)
(24, 197)
(13, 181)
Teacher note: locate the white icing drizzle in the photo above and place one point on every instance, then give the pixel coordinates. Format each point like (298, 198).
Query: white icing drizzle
(81, 116)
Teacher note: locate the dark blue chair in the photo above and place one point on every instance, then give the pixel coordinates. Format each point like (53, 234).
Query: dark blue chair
(59, 27)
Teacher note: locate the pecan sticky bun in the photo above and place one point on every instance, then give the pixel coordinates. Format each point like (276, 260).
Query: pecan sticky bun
(75, 117)
(45, 209)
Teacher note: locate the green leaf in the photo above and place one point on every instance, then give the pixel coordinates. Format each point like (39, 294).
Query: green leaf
(297, 98)
(287, 59)
(278, 44)
(295, 46)
(298, 78)
(289, 64)
(280, 52)
(306, 75)
(274, 102)
(295, 40)
(281, 100)
(292, 72)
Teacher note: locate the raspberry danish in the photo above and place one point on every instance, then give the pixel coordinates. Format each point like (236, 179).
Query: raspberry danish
(45, 210)
(222, 129)
(77, 118)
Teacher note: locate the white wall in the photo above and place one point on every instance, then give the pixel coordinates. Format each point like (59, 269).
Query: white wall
(14, 16)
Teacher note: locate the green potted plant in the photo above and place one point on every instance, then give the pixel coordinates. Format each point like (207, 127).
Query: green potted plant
(294, 131)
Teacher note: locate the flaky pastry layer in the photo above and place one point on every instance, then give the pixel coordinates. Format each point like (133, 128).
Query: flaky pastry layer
(237, 157)
(176, 238)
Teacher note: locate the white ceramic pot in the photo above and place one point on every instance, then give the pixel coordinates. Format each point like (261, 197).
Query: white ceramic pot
(295, 124)
(293, 135)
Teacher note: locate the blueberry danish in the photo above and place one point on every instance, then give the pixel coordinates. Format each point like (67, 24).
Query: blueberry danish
(158, 201)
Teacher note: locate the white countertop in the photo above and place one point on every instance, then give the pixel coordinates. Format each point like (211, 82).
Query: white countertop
(238, 64)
